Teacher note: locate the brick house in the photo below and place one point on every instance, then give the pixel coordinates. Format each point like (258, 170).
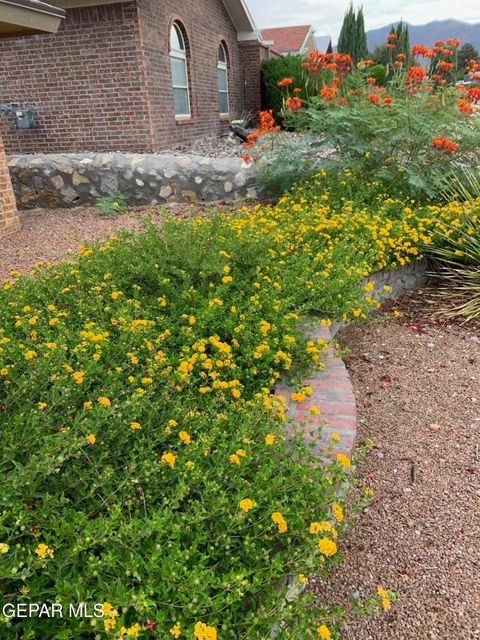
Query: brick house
(20, 17)
(133, 75)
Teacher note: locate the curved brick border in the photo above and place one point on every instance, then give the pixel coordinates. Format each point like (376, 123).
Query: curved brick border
(332, 389)
(332, 395)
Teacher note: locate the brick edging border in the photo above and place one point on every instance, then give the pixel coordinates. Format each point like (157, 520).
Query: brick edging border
(332, 391)
(332, 394)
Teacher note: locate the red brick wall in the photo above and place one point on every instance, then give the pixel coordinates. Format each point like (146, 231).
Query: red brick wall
(205, 24)
(252, 55)
(103, 82)
(8, 213)
(84, 82)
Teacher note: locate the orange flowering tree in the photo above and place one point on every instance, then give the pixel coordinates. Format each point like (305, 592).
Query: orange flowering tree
(411, 133)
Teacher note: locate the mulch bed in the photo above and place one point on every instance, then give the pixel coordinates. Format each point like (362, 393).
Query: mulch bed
(417, 384)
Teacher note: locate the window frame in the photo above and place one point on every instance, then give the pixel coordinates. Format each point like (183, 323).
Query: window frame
(180, 54)
(223, 66)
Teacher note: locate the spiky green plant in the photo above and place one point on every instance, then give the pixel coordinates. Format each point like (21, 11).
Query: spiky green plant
(456, 260)
(464, 186)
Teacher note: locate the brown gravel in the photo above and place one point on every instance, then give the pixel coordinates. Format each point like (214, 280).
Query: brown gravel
(417, 384)
(50, 234)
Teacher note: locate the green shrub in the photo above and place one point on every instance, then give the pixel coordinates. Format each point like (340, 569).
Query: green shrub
(274, 70)
(377, 71)
(137, 416)
(111, 205)
(411, 135)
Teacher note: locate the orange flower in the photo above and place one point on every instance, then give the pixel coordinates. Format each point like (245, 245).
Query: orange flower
(267, 121)
(328, 93)
(415, 75)
(294, 104)
(373, 98)
(392, 37)
(473, 95)
(420, 50)
(387, 100)
(465, 107)
(445, 67)
(441, 143)
(454, 43)
(371, 80)
(297, 90)
(285, 82)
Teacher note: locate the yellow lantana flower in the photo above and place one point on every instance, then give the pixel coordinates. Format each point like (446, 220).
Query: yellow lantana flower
(168, 458)
(344, 460)
(246, 504)
(327, 547)
(323, 632)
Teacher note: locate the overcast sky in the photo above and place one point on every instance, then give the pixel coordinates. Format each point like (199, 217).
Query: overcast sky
(327, 15)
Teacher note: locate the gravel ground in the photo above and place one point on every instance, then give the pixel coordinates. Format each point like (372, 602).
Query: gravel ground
(417, 384)
(211, 147)
(50, 234)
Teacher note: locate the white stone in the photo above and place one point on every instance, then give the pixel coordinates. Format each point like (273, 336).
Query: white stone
(139, 182)
(241, 179)
(228, 186)
(165, 191)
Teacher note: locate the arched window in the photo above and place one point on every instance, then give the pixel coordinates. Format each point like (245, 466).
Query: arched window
(222, 72)
(178, 65)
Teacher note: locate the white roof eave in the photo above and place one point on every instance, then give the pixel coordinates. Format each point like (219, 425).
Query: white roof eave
(242, 19)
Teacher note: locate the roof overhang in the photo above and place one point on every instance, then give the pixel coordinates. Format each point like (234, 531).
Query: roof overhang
(304, 48)
(242, 20)
(25, 17)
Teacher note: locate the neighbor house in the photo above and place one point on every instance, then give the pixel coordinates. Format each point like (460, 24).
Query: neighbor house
(324, 44)
(290, 40)
(132, 75)
(20, 18)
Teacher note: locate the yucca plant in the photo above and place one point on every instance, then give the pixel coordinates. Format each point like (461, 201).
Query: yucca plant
(464, 186)
(456, 260)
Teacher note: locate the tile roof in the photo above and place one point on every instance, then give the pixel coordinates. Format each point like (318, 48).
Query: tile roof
(286, 39)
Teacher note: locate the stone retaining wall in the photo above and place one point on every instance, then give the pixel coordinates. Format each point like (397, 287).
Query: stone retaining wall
(411, 276)
(71, 179)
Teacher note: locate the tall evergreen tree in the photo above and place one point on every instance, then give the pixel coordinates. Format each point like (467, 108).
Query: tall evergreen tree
(403, 41)
(353, 39)
(346, 40)
(361, 48)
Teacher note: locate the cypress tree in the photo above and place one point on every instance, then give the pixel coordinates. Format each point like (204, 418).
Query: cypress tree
(353, 39)
(361, 48)
(346, 40)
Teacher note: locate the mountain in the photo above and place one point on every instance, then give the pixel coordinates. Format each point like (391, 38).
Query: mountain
(426, 34)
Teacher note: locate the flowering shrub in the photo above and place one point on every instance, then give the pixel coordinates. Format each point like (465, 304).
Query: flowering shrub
(143, 459)
(390, 132)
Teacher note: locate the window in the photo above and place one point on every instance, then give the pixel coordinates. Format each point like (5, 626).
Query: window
(222, 71)
(178, 65)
